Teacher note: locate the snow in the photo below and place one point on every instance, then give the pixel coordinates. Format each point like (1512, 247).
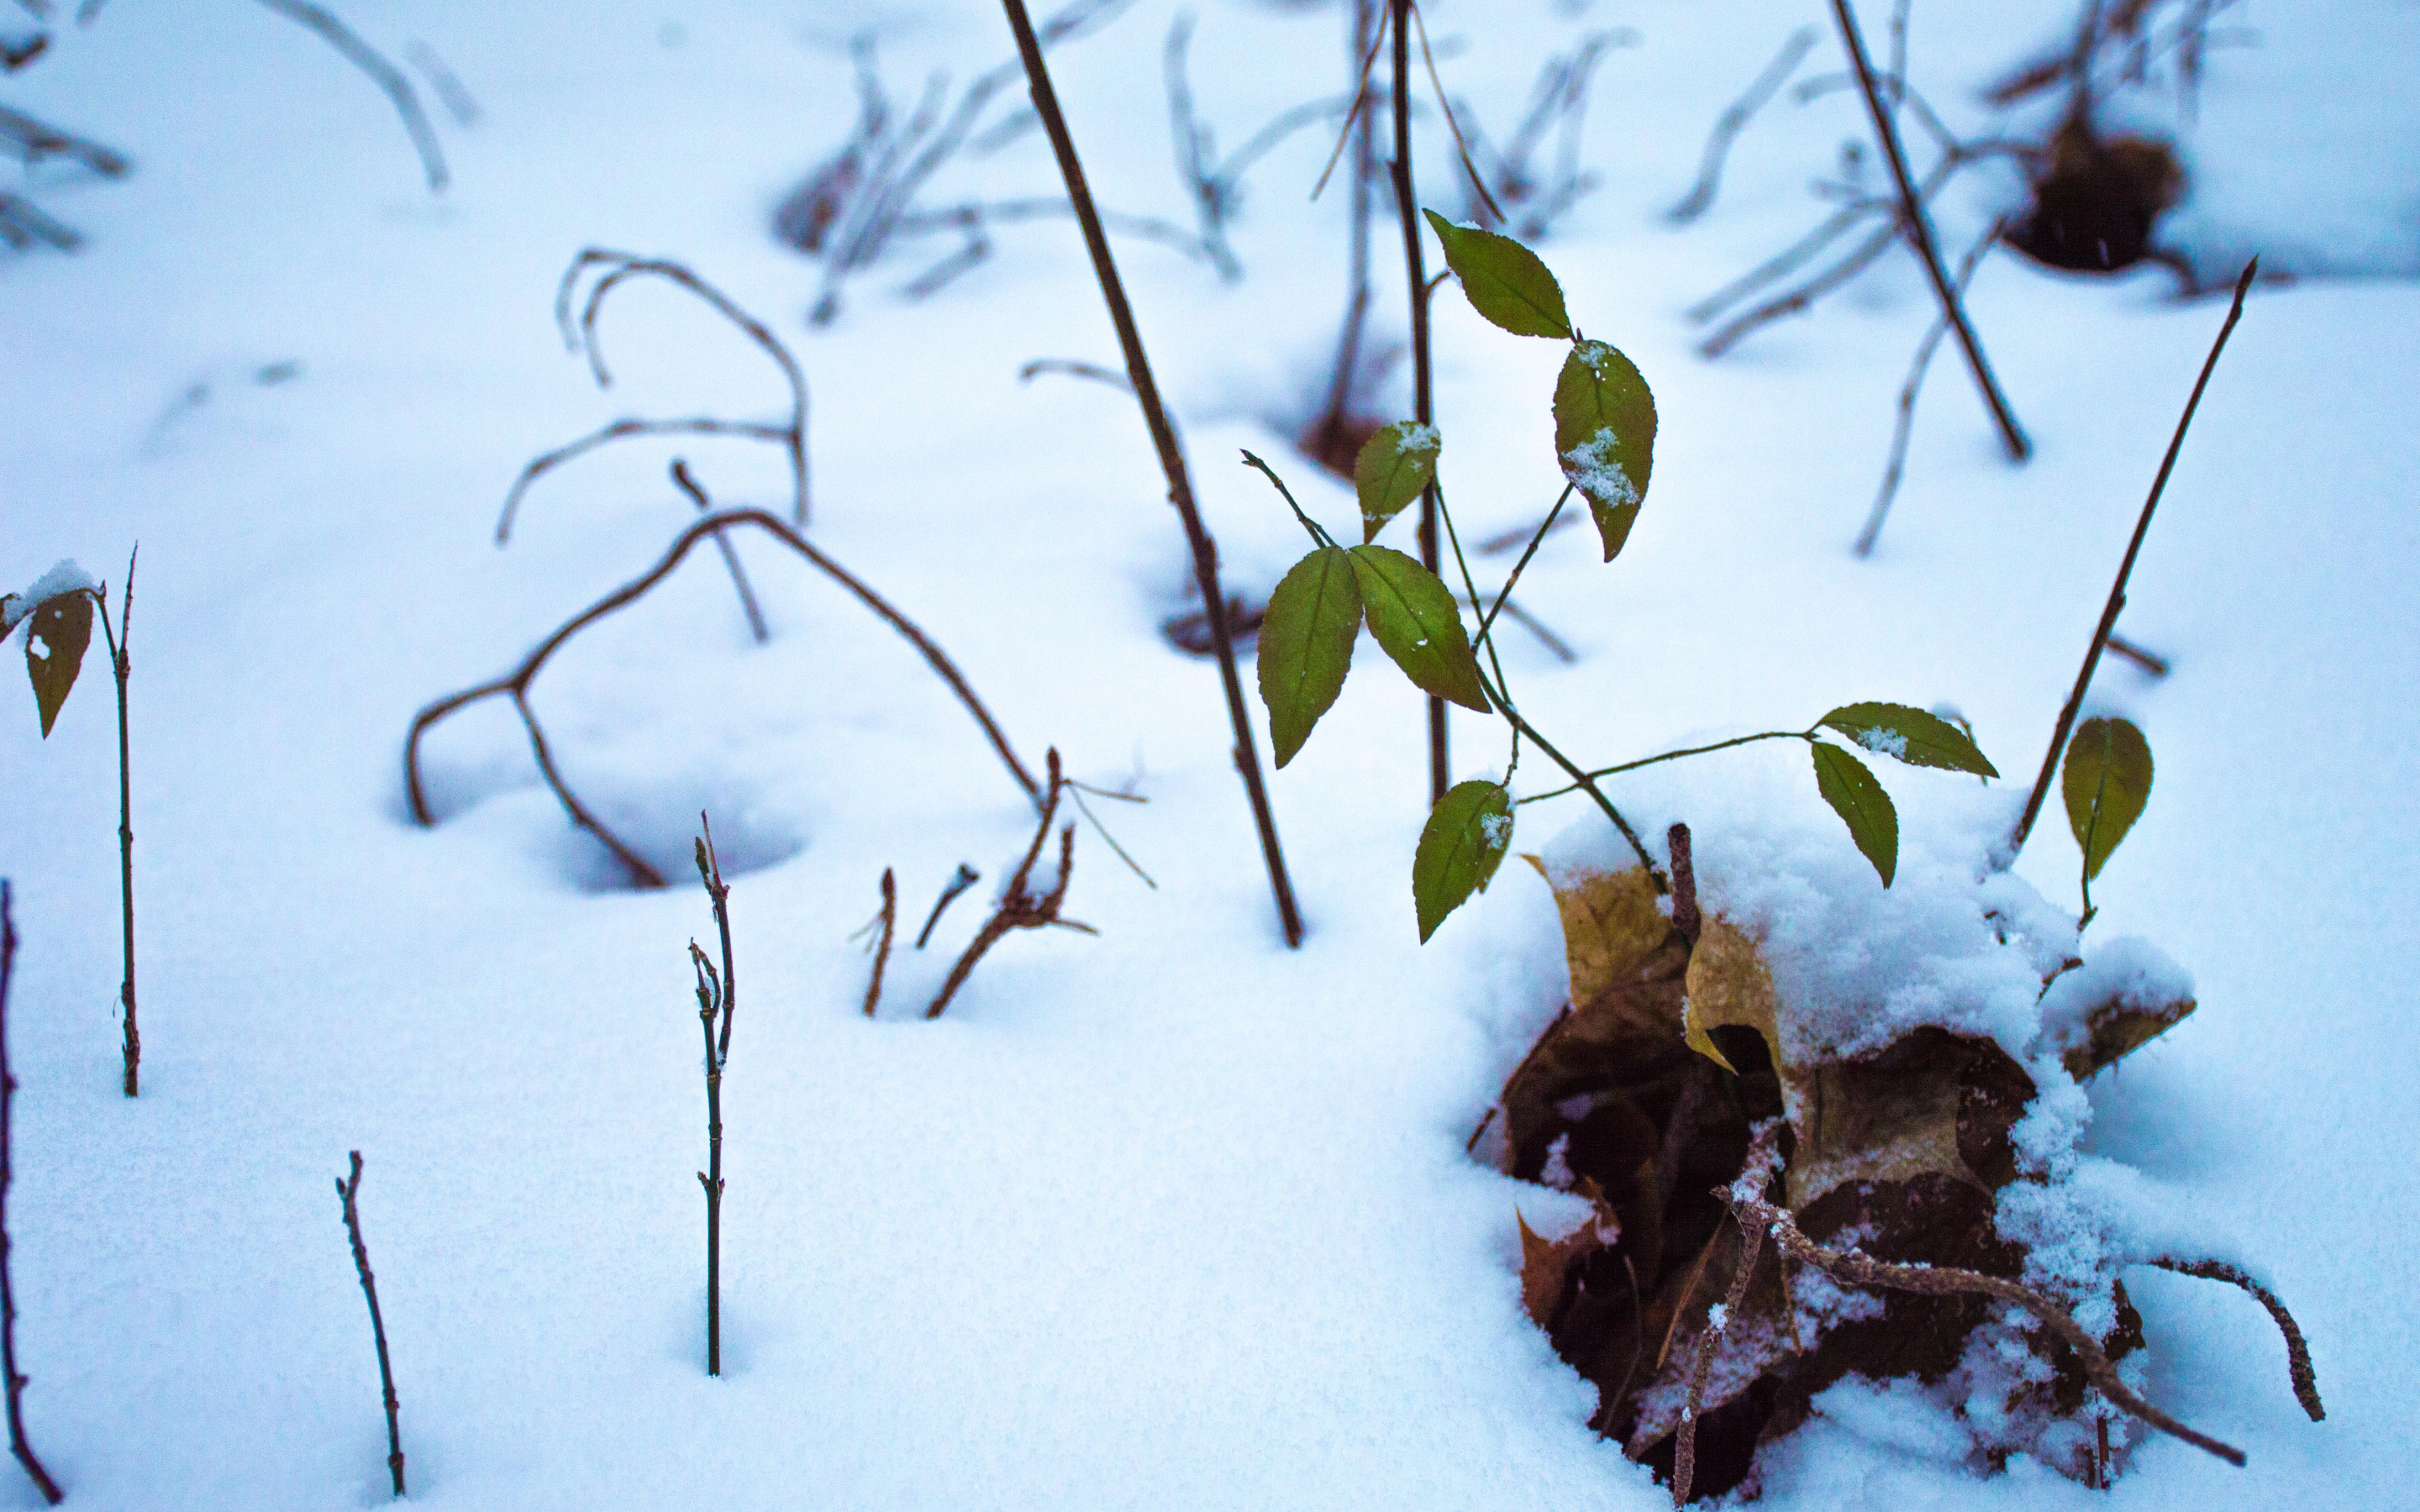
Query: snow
(1174, 1217)
(1594, 468)
(63, 578)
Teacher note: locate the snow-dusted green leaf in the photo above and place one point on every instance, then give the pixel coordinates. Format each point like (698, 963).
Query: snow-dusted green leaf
(1418, 625)
(1910, 736)
(1461, 844)
(1605, 436)
(1394, 465)
(1862, 805)
(1306, 645)
(55, 639)
(2107, 781)
(1503, 279)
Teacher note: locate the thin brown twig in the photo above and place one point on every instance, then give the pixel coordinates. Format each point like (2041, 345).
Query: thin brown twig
(18, 1443)
(517, 684)
(545, 462)
(1172, 458)
(1858, 1269)
(1478, 181)
(1423, 400)
(349, 1192)
(965, 877)
(1734, 121)
(717, 995)
(2298, 1353)
(1756, 1174)
(1918, 224)
(687, 482)
(1019, 909)
(1905, 425)
(389, 78)
(888, 921)
(2125, 570)
(121, 668)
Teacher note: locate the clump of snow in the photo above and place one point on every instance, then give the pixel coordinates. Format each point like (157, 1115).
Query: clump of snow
(1593, 469)
(64, 578)
(1497, 828)
(1884, 742)
(1417, 438)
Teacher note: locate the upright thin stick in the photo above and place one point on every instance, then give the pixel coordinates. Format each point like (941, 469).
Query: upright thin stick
(1918, 225)
(24, 1451)
(1172, 458)
(1423, 399)
(888, 921)
(348, 1192)
(715, 996)
(121, 668)
(2125, 570)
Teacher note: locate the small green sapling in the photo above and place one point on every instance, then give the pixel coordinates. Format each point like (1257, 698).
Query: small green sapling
(1605, 441)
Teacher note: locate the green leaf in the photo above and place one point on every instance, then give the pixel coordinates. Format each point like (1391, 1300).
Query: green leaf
(1306, 645)
(1605, 436)
(1418, 625)
(1503, 279)
(1395, 465)
(1862, 805)
(2107, 781)
(59, 630)
(1465, 840)
(1910, 736)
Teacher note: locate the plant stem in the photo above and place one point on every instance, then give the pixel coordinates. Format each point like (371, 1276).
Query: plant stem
(1919, 225)
(1423, 400)
(2125, 569)
(16, 1383)
(1172, 458)
(349, 1192)
(723, 998)
(120, 668)
(889, 921)
(1675, 755)
(1504, 595)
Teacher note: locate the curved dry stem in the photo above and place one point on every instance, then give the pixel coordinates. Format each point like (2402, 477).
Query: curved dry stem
(1019, 909)
(385, 75)
(517, 684)
(2298, 1354)
(581, 336)
(1946, 1281)
(547, 462)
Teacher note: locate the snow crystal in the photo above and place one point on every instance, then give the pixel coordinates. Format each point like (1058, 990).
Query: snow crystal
(1417, 438)
(1884, 742)
(1497, 828)
(1592, 467)
(1717, 1318)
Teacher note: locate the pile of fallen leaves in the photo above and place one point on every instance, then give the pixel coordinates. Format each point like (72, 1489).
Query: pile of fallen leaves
(1643, 1097)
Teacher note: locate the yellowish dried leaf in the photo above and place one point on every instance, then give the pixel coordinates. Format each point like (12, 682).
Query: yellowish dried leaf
(1728, 985)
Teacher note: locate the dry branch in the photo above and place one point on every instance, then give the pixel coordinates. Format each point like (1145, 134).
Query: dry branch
(1171, 456)
(1905, 425)
(1734, 121)
(580, 336)
(18, 1442)
(888, 921)
(385, 75)
(1019, 909)
(517, 685)
(2298, 1353)
(349, 1192)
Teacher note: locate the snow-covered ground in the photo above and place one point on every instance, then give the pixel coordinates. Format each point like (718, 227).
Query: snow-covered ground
(1174, 1217)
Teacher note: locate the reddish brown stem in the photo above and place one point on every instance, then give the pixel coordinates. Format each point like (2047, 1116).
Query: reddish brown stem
(1423, 396)
(1171, 457)
(349, 1191)
(16, 1383)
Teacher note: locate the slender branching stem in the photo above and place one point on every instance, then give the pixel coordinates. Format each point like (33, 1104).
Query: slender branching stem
(349, 1192)
(717, 995)
(1423, 398)
(1903, 426)
(687, 482)
(18, 1442)
(121, 669)
(516, 686)
(965, 877)
(1019, 908)
(1676, 755)
(2298, 1353)
(1917, 222)
(1734, 121)
(389, 79)
(2125, 570)
(1171, 457)
(1487, 622)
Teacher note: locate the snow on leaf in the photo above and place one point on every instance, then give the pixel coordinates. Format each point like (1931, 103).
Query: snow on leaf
(1909, 735)
(55, 639)
(1605, 436)
(1395, 465)
(1460, 848)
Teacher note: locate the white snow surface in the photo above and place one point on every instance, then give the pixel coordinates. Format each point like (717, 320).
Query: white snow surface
(1174, 1217)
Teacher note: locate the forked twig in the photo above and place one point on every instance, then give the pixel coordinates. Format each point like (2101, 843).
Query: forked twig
(1905, 425)
(580, 336)
(965, 877)
(687, 482)
(2125, 570)
(1019, 909)
(517, 685)
(18, 1442)
(1171, 456)
(349, 1193)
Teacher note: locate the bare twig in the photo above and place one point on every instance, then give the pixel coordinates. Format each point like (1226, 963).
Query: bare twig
(1019, 909)
(15, 55)
(580, 336)
(517, 685)
(18, 1442)
(1172, 458)
(1918, 224)
(2298, 1354)
(32, 141)
(122, 667)
(2125, 570)
(2151, 662)
(1074, 368)
(1858, 1269)
(384, 74)
(349, 1192)
(1734, 121)
(965, 877)
(458, 101)
(1763, 1159)
(1905, 425)
(1423, 401)
(1686, 916)
(22, 224)
(688, 483)
(888, 921)
(717, 994)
